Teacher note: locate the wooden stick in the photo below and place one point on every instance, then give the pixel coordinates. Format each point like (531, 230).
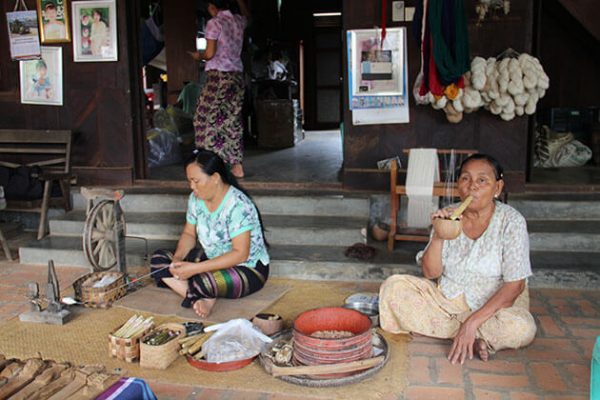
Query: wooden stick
(323, 368)
(462, 207)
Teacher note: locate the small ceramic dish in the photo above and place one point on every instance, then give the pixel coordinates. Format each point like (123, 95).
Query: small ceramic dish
(269, 324)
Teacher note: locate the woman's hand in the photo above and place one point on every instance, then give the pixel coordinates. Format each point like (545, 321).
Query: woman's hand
(183, 270)
(443, 213)
(462, 346)
(195, 55)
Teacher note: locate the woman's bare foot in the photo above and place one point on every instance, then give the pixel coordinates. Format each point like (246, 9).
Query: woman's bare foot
(237, 170)
(203, 307)
(480, 348)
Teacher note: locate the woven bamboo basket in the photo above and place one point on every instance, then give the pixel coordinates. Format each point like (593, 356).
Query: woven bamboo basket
(126, 349)
(99, 297)
(160, 357)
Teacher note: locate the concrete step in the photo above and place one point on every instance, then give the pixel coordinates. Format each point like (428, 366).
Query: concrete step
(564, 235)
(565, 269)
(68, 251)
(574, 206)
(298, 261)
(335, 205)
(551, 269)
(578, 236)
(280, 229)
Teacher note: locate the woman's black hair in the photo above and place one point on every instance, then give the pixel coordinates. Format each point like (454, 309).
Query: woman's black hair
(99, 12)
(498, 170)
(221, 4)
(210, 163)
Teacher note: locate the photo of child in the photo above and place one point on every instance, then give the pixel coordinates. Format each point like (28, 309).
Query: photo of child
(53, 21)
(86, 40)
(41, 80)
(41, 87)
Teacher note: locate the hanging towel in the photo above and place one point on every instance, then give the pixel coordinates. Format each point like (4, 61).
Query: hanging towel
(423, 171)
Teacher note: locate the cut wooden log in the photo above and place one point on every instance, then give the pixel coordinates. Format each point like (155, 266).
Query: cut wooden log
(56, 385)
(42, 380)
(33, 367)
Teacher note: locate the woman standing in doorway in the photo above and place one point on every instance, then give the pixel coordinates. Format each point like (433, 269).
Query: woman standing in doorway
(218, 117)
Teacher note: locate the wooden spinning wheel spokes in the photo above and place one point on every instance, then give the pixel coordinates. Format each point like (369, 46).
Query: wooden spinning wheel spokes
(99, 235)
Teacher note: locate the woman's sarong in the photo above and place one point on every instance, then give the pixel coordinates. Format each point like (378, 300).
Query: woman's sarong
(412, 304)
(218, 117)
(230, 283)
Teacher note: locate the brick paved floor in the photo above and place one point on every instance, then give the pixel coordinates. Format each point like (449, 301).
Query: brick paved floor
(555, 367)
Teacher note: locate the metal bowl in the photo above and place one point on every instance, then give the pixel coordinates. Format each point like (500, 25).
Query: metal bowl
(369, 309)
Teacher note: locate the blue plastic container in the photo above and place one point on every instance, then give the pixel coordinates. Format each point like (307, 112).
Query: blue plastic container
(595, 374)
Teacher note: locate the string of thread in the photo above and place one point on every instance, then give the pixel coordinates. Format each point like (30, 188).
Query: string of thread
(449, 179)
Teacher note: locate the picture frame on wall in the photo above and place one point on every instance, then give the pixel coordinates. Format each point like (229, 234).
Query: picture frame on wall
(94, 31)
(377, 76)
(376, 68)
(41, 80)
(53, 21)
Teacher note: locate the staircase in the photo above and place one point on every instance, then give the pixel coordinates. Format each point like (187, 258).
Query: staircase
(564, 236)
(309, 234)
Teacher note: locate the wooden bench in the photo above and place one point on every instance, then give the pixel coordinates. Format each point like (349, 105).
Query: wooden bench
(50, 150)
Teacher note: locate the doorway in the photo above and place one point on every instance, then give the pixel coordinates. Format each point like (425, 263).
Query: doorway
(313, 85)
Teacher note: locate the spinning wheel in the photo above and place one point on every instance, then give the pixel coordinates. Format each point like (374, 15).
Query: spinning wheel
(104, 234)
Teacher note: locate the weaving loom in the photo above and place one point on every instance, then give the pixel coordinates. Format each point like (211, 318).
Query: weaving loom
(451, 159)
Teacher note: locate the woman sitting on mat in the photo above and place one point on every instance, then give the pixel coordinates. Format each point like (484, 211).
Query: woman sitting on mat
(221, 216)
(480, 300)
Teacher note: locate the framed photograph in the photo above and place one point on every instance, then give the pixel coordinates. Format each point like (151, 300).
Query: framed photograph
(94, 30)
(53, 19)
(41, 80)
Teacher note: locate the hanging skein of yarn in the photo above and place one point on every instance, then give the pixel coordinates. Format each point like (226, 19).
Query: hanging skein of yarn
(441, 29)
(509, 85)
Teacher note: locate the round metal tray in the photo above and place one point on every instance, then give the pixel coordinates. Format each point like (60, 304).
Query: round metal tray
(307, 380)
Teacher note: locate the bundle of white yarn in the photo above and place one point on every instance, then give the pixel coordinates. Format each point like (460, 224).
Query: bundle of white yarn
(507, 87)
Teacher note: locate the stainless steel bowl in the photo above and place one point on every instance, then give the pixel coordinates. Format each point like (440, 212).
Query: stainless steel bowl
(369, 309)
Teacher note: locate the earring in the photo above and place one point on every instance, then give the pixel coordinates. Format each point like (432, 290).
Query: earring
(496, 196)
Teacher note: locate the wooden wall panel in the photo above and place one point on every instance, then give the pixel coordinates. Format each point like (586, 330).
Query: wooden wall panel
(364, 145)
(571, 57)
(97, 105)
(180, 37)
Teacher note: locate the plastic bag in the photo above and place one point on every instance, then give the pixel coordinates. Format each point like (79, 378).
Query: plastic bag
(233, 340)
(572, 154)
(163, 148)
